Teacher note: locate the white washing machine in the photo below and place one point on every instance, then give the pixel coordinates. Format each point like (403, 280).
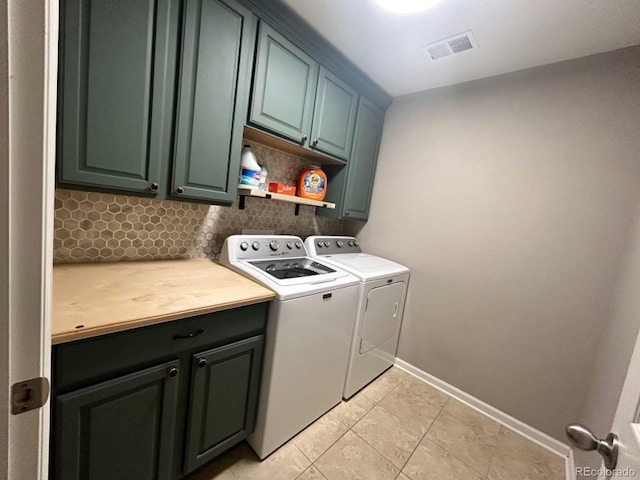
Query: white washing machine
(308, 333)
(382, 296)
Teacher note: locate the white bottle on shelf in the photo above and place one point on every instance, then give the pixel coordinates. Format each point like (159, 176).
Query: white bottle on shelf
(263, 177)
(250, 175)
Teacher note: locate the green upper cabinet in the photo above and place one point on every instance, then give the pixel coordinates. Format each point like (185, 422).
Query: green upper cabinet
(119, 429)
(364, 157)
(334, 115)
(284, 87)
(298, 99)
(116, 86)
(153, 98)
(353, 184)
(217, 51)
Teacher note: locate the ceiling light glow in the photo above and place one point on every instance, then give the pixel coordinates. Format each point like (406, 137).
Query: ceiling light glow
(407, 7)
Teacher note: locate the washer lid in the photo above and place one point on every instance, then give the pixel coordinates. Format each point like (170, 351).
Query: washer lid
(366, 266)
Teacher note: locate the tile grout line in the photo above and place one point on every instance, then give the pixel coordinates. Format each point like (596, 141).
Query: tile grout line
(377, 451)
(494, 455)
(303, 454)
(336, 441)
(442, 411)
(376, 404)
(350, 429)
(423, 437)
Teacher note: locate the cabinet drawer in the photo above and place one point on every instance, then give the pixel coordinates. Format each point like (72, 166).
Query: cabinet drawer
(87, 361)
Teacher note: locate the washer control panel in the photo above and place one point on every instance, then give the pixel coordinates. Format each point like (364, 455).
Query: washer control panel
(251, 247)
(320, 245)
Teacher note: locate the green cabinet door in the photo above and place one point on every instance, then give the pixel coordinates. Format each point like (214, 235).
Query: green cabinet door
(117, 64)
(217, 51)
(120, 429)
(224, 395)
(285, 80)
(334, 115)
(362, 163)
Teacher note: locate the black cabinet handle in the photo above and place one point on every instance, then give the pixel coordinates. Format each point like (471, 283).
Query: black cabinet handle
(200, 331)
(173, 372)
(154, 187)
(202, 362)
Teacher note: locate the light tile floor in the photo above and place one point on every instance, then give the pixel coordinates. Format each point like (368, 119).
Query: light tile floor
(397, 428)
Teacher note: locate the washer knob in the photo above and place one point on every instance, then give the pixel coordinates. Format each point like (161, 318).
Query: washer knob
(244, 246)
(273, 245)
(340, 243)
(326, 244)
(255, 246)
(351, 243)
(298, 245)
(289, 245)
(355, 243)
(320, 244)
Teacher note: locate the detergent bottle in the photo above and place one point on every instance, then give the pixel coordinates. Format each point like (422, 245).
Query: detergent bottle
(312, 184)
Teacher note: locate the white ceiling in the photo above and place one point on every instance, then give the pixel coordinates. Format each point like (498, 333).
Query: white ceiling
(511, 34)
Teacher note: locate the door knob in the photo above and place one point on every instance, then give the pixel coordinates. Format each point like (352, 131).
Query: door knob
(584, 439)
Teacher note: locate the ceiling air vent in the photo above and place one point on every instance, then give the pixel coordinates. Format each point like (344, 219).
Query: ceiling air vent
(449, 46)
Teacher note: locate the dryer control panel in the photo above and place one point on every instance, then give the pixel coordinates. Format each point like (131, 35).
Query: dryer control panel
(321, 245)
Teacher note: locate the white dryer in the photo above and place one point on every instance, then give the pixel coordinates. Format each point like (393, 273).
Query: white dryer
(382, 296)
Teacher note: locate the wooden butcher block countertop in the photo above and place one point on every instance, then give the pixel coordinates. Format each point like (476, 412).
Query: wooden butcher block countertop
(93, 299)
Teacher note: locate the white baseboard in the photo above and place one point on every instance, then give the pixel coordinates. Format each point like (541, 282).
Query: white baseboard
(499, 416)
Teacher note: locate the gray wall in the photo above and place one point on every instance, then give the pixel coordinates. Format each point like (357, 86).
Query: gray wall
(513, 200)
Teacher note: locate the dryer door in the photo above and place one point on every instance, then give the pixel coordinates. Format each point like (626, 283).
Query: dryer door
(382, 316)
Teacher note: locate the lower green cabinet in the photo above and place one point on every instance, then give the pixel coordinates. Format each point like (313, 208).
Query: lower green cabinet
(122, 428)
(155, 403)
(224, 395)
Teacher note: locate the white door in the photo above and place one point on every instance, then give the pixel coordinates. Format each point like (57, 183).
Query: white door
(626, 423)
(621, 448)
(28, 70)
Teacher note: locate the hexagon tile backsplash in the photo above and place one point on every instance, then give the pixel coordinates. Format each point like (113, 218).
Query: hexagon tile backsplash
(101, 227)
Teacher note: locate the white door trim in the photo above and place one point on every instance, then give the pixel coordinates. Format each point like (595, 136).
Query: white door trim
(27, 140)
(4, 239)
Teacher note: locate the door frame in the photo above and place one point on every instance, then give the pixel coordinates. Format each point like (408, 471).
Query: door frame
(28, 93)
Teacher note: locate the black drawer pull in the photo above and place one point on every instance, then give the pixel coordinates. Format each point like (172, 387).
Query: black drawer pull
(327, 296)
(189, 335)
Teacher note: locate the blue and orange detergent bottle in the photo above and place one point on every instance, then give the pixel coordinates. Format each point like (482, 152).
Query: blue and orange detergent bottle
(312, 184)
